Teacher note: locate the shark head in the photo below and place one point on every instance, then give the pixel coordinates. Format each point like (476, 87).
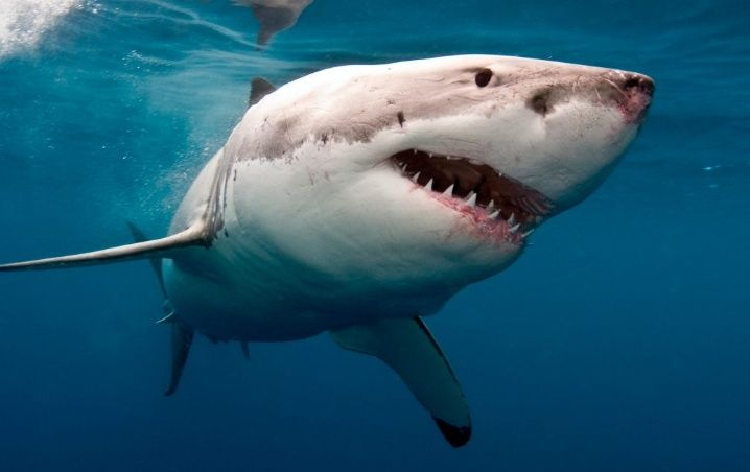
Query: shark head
(429, 174)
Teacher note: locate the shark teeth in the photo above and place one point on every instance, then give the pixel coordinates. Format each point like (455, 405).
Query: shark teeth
(495, 201)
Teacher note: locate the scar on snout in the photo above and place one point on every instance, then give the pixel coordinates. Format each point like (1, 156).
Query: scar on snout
(401, 118)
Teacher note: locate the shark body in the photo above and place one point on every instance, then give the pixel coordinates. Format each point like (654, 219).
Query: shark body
(358, 199)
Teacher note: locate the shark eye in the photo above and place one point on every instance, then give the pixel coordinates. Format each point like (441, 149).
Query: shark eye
(483, 77)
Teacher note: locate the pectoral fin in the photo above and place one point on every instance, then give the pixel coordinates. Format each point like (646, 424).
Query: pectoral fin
(182, 339)
(163, 247)
(408, 347)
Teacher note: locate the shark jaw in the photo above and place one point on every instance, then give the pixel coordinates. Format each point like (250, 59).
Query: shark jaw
(496, 205)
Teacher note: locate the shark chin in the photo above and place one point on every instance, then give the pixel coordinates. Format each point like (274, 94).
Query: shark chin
(359, 199)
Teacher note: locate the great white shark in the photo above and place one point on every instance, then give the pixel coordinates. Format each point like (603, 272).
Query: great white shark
(359, 199)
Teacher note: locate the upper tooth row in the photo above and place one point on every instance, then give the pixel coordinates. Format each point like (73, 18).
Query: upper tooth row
(430, 155)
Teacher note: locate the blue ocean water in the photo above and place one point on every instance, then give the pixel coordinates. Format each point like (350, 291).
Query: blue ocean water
(618, 342)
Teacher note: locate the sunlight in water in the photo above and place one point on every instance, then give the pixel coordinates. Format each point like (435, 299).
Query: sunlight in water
(23, 22)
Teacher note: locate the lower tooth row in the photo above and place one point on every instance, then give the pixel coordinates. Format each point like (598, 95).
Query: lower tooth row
(471, 200)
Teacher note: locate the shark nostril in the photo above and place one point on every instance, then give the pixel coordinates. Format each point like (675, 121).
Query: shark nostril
(639, 83)
(540, 103)
(631, 83)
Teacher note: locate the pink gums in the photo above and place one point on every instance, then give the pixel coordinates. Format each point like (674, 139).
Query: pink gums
(481, 223)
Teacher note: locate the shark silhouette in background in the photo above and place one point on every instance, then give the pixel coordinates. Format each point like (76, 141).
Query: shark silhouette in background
(274, 15)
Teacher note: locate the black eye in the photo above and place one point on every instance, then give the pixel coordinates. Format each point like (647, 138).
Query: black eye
(483, 77)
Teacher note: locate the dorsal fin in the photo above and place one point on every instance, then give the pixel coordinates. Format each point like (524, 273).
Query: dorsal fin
(259, 88)
(163, 247)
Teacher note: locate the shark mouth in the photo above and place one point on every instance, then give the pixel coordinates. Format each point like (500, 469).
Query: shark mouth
(496, 203)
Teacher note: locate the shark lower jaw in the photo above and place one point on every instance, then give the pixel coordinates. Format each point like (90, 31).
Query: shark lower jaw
(495, 205)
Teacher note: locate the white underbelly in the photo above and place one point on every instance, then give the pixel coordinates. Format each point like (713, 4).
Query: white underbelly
(224, 296)
(262, 279)
(228, 292)
(218, 301)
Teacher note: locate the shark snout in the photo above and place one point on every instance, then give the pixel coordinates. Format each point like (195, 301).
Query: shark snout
(629, 92)
(639, 83)
(589, 116)
(635, 92)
